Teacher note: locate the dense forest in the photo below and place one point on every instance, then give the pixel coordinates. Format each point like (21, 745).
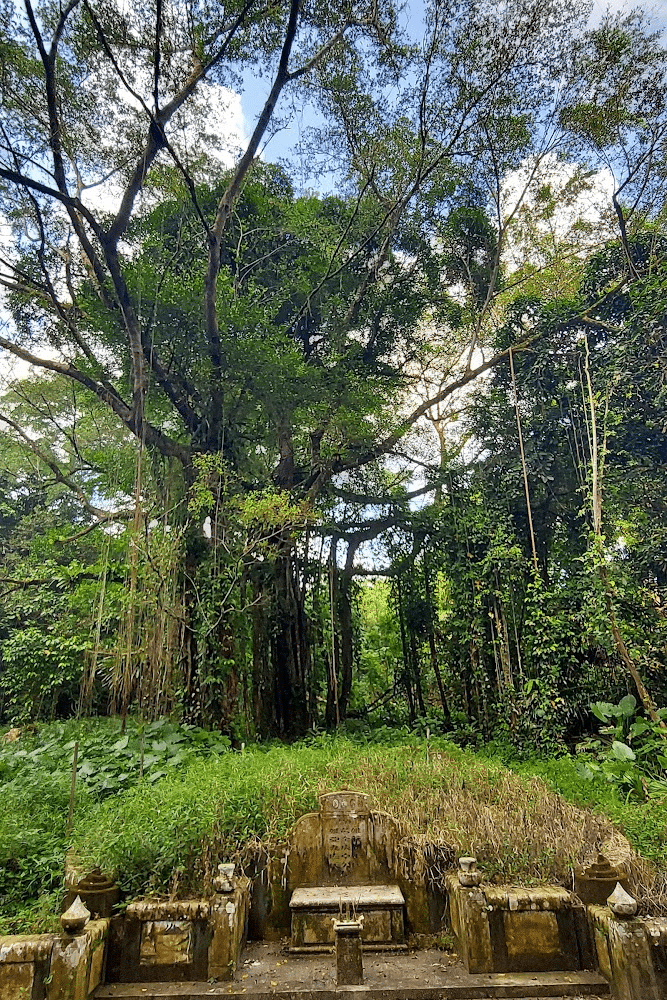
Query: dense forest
(375, 435)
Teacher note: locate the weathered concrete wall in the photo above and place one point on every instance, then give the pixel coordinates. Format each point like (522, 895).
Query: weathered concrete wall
(269, 918)
(311, 851)
(470, 925)
(52, 966)
(24, 966)
(153, 941)
(185, 940)
(624, 955)
(501, 929)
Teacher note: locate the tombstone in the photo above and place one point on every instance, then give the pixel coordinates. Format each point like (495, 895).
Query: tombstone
(341, 860)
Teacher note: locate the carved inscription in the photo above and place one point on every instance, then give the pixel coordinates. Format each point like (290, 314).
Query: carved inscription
(344, 828)
(338, 842)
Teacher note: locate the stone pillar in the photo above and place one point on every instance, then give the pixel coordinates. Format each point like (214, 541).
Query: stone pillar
(469, 918)
(624, 955)
(228, 922)
(349, 965)
(69, 968)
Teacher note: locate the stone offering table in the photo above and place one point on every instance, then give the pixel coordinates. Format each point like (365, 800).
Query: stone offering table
(341, 862)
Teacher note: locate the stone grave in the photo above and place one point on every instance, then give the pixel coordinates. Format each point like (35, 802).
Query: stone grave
(341, 865)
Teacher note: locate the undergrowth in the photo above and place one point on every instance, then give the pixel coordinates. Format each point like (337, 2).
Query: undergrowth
(35, 779)
(644, 824)
(158, 807)
(168, 838)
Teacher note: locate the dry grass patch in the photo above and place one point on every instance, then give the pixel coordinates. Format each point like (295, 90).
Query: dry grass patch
(451, 805)
(169, 836)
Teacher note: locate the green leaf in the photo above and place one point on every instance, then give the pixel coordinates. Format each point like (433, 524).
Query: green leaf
(627, 706)
(621, 751)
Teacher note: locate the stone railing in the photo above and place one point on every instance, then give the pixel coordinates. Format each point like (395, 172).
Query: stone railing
(53, 966)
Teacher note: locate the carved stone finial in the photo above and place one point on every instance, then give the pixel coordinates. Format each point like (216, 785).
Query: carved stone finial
(594, 882)
(224, 880)
(468, 873)
(621, 903)
(76, 917)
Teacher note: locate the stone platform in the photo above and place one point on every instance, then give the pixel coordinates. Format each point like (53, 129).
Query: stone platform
(268, 971)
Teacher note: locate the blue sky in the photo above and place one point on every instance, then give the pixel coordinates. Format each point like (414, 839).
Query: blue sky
(283, 144)
(655, 9)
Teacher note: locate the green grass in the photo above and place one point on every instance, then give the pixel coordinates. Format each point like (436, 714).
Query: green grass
(159, 808)
(35, 784)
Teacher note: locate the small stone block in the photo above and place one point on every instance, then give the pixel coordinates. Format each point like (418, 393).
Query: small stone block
(349, 964)
(26, 948)
(16, 979)
(358, 896)
(166, 942)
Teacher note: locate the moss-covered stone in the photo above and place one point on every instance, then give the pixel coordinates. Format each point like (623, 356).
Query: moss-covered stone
(624, 955)
(229, 916)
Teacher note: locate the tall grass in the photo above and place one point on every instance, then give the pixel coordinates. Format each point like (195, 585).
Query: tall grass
(160, 809)
(446, 804)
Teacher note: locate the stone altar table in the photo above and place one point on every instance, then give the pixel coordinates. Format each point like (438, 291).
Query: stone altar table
(341, 862)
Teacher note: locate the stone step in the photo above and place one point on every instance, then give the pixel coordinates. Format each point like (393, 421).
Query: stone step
(511, 986)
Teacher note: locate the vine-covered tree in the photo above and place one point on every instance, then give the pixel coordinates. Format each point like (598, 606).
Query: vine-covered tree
(257, 345)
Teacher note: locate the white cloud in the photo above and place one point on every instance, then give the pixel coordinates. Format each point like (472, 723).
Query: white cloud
(557, 205)
(208, 134)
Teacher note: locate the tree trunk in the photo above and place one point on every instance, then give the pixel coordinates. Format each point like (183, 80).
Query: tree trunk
(263, 705)
(344, 606)
(406, 653)
(332, 713)
(431, 643)
(290, 650)
(280, 651)
(190, 653)
(416, 672)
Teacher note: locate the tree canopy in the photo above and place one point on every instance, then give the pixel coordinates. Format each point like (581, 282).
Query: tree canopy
(236, 374)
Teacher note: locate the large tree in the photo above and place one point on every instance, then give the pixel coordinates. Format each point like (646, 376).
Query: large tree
(255, 342)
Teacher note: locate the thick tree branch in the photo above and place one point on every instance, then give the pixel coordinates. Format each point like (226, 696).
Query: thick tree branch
(225, 208)
(389, 442)
(70, 202)
(153, 436)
